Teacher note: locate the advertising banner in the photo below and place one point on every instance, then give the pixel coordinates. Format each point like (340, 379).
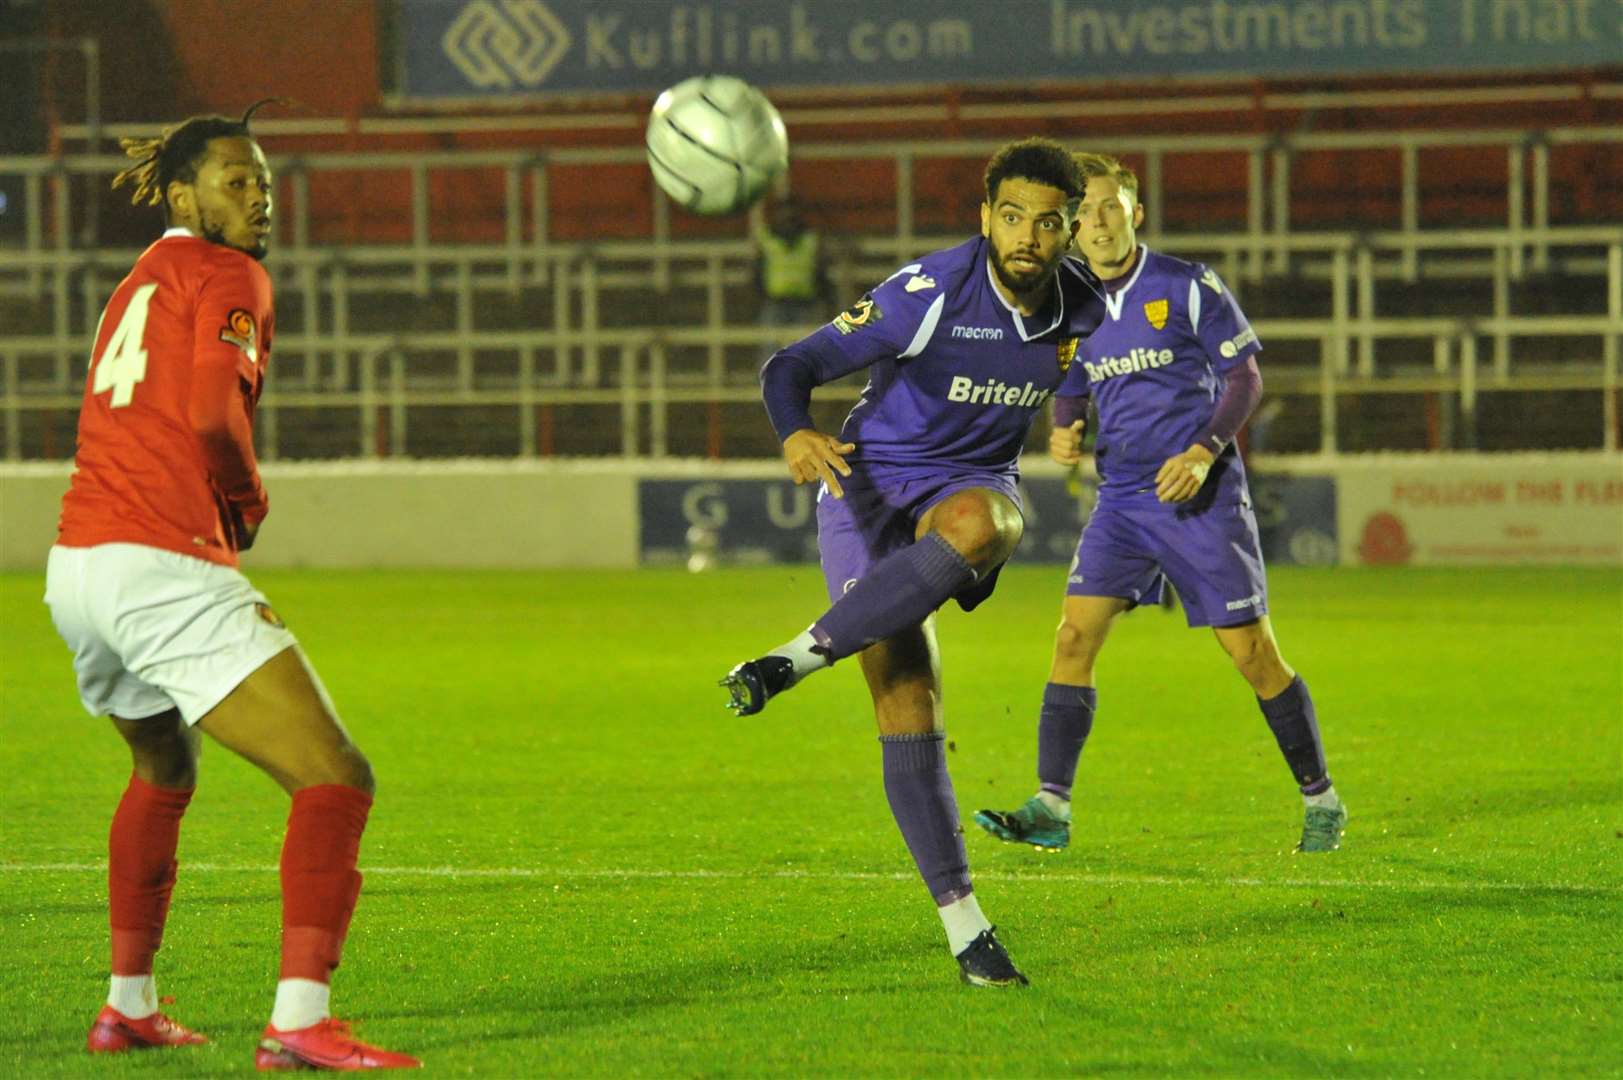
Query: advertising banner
(744, 521)
(707, 522)
(459, 49)
(1296, 518)
(1482, 513)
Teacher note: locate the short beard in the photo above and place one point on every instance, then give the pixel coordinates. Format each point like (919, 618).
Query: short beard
(216, 235)
(1015, 286)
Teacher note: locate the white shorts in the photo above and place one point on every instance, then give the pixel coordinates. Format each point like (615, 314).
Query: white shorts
(153, 630)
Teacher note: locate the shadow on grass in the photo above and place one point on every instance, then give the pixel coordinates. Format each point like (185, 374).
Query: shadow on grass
(1512, 794)
(547, 1003)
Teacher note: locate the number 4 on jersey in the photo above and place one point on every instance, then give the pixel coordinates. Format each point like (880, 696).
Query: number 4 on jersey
(124, 361)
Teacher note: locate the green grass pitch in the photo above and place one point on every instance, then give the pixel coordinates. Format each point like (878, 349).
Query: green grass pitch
(580, 864)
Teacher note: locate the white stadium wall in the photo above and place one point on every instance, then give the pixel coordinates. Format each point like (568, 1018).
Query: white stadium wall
(356, 514)
(1420, 509)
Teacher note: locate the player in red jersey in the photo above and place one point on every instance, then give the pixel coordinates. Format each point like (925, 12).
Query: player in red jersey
(169, 639)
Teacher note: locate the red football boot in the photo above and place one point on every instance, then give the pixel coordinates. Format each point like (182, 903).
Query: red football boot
(113, 1031)
(324, 1045)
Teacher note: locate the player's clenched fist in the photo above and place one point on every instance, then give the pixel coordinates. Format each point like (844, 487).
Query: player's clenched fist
(1183, 474)
(814, 456)
(1065, 443)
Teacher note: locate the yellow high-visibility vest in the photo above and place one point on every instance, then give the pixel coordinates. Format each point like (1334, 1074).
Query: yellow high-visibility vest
(788, 267)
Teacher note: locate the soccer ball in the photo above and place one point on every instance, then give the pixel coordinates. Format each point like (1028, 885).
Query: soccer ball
(714, 143)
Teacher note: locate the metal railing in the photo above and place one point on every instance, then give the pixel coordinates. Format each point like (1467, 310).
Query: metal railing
(377, 385)
(1268, 195)
(380, 377)
(1347, 268)
(1230, 97)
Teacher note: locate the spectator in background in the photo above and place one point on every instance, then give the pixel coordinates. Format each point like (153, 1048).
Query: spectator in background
(791, 268)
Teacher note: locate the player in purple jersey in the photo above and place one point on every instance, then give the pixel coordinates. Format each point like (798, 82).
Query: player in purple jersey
(1173, 375)
(918, 502)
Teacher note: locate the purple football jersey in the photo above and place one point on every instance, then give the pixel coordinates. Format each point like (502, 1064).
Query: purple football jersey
(1154, 367)
(957, 374)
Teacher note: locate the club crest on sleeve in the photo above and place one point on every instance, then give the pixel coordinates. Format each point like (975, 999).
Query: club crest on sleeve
(1067, 353)
(239, 331)
(862, 313)
(1156, 312)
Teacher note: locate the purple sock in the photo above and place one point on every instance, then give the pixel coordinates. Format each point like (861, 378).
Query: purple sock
(1062, 728)
(900, 591)
(1296, 728)
(921, 798)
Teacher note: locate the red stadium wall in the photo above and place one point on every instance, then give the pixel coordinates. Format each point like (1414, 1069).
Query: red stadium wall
(1347, 189)
(323, 53)
(163, 60)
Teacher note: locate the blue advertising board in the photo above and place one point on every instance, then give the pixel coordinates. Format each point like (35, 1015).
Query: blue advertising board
(729, 521)
(1296, 518)
(461, 49)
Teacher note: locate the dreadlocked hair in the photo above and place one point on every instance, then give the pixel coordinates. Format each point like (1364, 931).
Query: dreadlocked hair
(177, 153)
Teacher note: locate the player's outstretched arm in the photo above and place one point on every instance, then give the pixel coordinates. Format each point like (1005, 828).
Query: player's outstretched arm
(1183, 474)
(812, 455)
(859, 337)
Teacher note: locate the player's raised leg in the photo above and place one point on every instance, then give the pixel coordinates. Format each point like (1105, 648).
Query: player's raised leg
(1063, 725)
(1288, 707)
(281, 719)
(904, 677)
(140, 879)
(959, 540)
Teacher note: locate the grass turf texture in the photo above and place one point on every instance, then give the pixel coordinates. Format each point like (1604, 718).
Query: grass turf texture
(579, 864)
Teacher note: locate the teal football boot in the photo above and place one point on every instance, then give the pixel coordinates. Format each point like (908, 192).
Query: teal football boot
(1322, 828)
(1032, 824)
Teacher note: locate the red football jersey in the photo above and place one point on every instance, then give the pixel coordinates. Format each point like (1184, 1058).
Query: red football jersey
(166, 453)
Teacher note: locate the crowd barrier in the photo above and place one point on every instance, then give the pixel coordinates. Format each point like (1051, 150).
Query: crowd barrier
(1351, 510)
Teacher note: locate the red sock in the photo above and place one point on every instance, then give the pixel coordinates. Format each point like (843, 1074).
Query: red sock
(319, 881)
(141, 871)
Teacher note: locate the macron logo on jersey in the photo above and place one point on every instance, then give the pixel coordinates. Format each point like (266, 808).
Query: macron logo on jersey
(993, 392)
(1108, 367)
(978, 333)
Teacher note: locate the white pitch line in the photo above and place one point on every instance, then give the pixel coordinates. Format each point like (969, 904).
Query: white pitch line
(609, 873)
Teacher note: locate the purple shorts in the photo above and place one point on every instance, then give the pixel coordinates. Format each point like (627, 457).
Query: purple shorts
(880, 514)
(1207, 548)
